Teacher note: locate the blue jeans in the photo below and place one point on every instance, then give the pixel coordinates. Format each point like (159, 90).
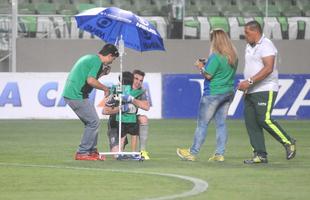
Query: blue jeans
(215, 106)
(86, 111)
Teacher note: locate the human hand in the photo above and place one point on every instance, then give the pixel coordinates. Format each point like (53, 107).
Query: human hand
(243, 85)
(111, 102)
(106, 92)
(127, 98)
(200, 63)
(129, 108)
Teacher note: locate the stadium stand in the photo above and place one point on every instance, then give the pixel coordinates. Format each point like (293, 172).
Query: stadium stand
(191, 8)
(102, 3)
(304, 5)
(80, 7)
(148, 8)
(4, 7)
(26, 8)
(199, 16)
(208, 8)
(46, 8)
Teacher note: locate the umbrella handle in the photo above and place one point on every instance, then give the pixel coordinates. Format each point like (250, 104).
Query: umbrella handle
(121, 46)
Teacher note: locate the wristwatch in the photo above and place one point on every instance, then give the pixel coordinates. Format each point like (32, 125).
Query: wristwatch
(250, 80)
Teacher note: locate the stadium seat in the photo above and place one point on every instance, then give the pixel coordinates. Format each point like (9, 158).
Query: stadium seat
(211, 10)
(126, 5)
(242, 3)
(80, 7)
(250, 11)
(302, 3)
(304, 6)
(152, 11)
(288, 8)
(81, 1)
(220, 4)
(46, 8)
(40, 1)
(66, 9)
(59, 2)
(103, 3)
(162, 5)
(147, 8)
(231, 11)
(191, 9)
(26, 8)
(272, 10)
(5, 7)
(219, 22)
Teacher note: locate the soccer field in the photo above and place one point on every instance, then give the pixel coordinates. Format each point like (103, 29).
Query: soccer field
(36, 162)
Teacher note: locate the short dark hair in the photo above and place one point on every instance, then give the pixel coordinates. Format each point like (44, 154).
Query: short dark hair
(254, 25)
(109, 49)
(127, 78)
(136, 71)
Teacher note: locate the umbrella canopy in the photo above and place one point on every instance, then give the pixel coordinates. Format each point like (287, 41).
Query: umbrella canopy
(111, 23)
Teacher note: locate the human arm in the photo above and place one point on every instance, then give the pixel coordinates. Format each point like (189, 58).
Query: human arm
(143, 104)
(268, 63)
(201, 66)
(140, 102)
(96, 84)
(111, 106)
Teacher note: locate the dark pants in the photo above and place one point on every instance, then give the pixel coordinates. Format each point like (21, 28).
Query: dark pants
(257, 114)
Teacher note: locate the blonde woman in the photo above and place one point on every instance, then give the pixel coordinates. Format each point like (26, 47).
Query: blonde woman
(219, 72)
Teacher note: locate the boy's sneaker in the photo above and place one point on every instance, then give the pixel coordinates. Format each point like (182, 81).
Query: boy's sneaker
(217, 157)
(123, 157)
(135, 157)
(257, 159)
(290, 149)
(145, 155)
(185, 154)
(85, 156)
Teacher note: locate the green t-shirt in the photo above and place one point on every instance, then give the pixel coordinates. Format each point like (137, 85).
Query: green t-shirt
(76, 86)
(222, 73)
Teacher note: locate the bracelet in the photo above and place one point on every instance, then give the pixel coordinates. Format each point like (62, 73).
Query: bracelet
(250, 80)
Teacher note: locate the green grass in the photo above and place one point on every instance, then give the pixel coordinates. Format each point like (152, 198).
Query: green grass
(36, 162)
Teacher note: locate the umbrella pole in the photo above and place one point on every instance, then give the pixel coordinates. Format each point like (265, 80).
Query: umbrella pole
(121, 50)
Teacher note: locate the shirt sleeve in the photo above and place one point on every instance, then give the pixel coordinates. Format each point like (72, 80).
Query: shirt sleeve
(268, 49)
(94, 69)
(212, 65)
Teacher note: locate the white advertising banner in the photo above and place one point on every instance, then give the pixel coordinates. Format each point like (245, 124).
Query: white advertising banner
(39, 95)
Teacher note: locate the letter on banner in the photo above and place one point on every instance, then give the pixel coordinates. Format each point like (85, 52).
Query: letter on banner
(285, 84)
(10, 95)
(42, 96)
(300, 100)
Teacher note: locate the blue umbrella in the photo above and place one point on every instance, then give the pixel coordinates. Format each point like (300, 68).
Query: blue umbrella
(110, 24)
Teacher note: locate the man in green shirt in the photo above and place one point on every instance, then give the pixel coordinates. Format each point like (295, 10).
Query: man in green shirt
(80, 82)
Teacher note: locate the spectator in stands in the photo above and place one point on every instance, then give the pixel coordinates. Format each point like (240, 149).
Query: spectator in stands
(80, 82)
(219, 72)
(260, 89)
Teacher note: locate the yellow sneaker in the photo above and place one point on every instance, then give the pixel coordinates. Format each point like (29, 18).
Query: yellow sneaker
(217, 157)
(145, 155)
(185, 154)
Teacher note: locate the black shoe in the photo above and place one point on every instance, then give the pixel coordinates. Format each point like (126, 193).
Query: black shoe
(290, 149)
(257, 159)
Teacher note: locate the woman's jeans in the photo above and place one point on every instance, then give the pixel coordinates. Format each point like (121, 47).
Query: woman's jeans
(215, 106)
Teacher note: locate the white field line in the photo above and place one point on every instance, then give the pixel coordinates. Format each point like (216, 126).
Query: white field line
(199, 185)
